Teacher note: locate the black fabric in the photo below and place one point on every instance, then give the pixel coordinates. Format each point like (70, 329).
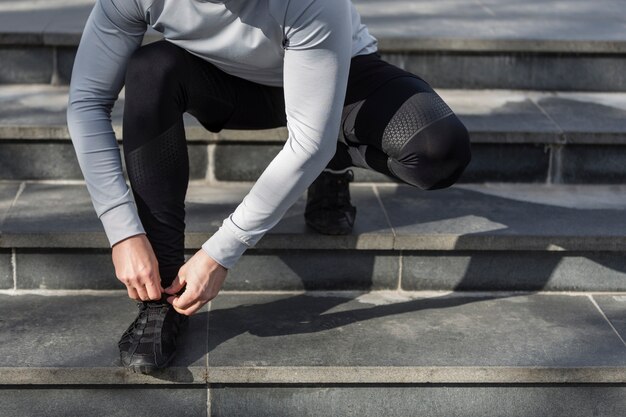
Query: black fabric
(149, 342)
(411, 132)
(328, 207)
(395, 113)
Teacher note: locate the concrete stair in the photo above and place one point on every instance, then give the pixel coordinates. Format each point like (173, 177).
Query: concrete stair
(471, 237)
(517, 136)
(502, 296)
(537, 44)
(326, 354)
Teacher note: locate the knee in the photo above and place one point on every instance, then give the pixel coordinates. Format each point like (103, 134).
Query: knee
(435, 156)
(152, 67)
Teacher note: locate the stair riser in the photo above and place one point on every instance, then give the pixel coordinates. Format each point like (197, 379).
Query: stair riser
(528, 71)
(518, 162)
(432, 401)
(103, 401)
(294, 270)
(253, 401)
(456, 69)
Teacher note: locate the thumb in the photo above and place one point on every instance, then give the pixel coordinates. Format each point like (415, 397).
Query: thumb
(177, 285)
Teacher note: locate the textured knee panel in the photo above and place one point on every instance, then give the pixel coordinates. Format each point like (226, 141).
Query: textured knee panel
(436, 156)
(415, 114)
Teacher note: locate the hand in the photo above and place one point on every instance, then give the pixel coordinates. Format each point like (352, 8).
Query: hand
(202, 277)
(137, 267)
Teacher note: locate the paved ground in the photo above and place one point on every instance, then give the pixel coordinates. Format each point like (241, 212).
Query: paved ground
(477, 19)
(380, 337)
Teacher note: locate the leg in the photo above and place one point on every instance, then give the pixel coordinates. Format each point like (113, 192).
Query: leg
(393, 123)
(405, 130)
(162, 82)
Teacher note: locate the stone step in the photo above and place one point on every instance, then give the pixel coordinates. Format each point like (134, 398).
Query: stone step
(325, 354)
(517, 136)
(494, 237)
(542, 44)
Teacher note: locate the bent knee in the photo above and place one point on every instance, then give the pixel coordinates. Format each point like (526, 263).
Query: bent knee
(153, 65)
(436, 156)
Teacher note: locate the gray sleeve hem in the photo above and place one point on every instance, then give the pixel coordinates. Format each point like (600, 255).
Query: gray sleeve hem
(224, 247)
(121, 223)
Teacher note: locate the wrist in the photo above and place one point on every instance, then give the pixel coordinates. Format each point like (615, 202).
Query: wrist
(210, 261)
(129, 238)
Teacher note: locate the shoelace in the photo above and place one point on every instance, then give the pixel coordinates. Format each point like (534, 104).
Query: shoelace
(141, 321)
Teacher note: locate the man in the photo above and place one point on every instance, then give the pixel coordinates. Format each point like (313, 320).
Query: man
(310, 65)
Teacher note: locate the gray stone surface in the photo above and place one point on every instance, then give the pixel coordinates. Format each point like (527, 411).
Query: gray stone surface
(7, 195)
(233, 162)
(499, 44)
(69, 270)
(68, 335)
(65, 62)
(25, 65)
(38, 161)
(495, 19)
(391, 329)
(50, 215)
(614, 307)
(519, 70)
(314, 270)
(42, 160)
(467, 218)
(6, 270)
(592, 165)
(507, 163)
(502, 115)
(412, 338)
(579, 114)
(103, 401)
(208, 206)
(514, 271)
(432, 401)
(504, 24)
(509, 132)
(8, 192)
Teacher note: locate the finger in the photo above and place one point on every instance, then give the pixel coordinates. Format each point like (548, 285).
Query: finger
(188, 298)
(153, 291)
(191, 309)
(143, 294)
(176, 285)
(132, 293)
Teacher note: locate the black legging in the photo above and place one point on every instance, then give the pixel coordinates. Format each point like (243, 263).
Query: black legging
(393, 122)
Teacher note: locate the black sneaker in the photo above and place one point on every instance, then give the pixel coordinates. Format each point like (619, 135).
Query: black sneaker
(149, 343)
(328, 209)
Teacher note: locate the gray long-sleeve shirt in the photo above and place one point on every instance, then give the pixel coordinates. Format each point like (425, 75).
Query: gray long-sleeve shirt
(303, 45)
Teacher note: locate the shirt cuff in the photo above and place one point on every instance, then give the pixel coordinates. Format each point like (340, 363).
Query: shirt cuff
(121, 222)
(224, 246)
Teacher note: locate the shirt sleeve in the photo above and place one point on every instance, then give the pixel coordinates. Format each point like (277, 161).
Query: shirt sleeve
(114, 30)
(316, 66)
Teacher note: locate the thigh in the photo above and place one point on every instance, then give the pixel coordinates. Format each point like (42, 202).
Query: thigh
(167, 80)
(381, 92)
(239, 103)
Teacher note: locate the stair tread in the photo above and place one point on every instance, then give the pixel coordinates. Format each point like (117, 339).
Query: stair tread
(38, 111)
(543, 26)
(347, 337)
(464, 217)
